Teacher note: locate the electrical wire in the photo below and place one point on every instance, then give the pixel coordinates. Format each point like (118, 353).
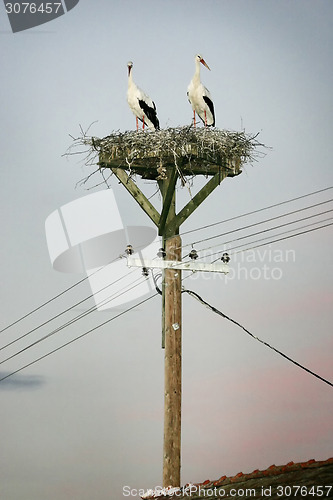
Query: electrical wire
(187, 232)
(272, 241)
(259, 223)
(212, 308)
(257, 211)
(77, 338)
(65, 291)
(197, 229)
(80, 316)
(64, 311)
(55, 297)
(158, 291)
(270, 229)
(74, 320)
(44, 304)
(230, 250)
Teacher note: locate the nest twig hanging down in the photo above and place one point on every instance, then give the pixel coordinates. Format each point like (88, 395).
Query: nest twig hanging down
(192, 151)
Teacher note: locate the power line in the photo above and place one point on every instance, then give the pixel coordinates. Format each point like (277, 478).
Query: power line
(259, 223)
(257, 211)
(55, 297)
(273, 241)
(77, 338)
(191, 293)
(44, 304)
(273, 228)
(212, 308)
(64, 311)
(72, 321)
(267, 238)
(187, 232)
(203, 227)
(63, 292)
(105, 301)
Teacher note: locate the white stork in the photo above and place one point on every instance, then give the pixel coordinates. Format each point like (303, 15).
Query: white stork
(141, 104)
(199, 97)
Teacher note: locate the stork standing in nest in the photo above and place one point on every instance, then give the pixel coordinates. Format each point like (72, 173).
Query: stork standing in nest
(199, 97)
(142, 106)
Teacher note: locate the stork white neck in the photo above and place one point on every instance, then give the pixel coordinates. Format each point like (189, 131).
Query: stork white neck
(196, 77)
(130, 78)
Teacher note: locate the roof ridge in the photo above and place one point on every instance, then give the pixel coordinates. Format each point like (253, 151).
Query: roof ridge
(270, 471)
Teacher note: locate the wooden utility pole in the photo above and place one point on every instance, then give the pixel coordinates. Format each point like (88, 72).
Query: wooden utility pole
(172, 366)
(171, 336)
(168, 223)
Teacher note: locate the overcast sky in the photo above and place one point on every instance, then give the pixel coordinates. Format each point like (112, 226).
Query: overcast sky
(88, 420)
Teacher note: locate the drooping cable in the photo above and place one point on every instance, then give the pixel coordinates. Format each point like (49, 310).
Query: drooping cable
(212, 308)
(187, 232)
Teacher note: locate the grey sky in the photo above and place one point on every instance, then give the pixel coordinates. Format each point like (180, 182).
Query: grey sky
(88, 420)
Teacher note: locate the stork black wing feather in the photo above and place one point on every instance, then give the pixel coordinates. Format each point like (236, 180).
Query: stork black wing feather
(210, 104)
(150, 113)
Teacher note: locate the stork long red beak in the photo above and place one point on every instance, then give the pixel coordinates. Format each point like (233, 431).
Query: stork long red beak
(204, 63)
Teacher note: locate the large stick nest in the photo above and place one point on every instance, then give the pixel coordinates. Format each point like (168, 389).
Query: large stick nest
(191, 150)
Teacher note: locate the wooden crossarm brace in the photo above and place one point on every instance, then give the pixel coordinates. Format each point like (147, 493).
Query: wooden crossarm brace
(175, 223)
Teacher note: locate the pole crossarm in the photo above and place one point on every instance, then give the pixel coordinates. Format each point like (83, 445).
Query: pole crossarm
(137, 194)
(195, 202)
(215, 267)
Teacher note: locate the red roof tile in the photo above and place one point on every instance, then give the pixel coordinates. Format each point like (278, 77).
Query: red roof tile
(306, 474)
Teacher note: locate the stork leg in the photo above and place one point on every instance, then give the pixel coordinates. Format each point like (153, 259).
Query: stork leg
(194, 123)
(143, 123)
(137, 123)
(205, 119)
